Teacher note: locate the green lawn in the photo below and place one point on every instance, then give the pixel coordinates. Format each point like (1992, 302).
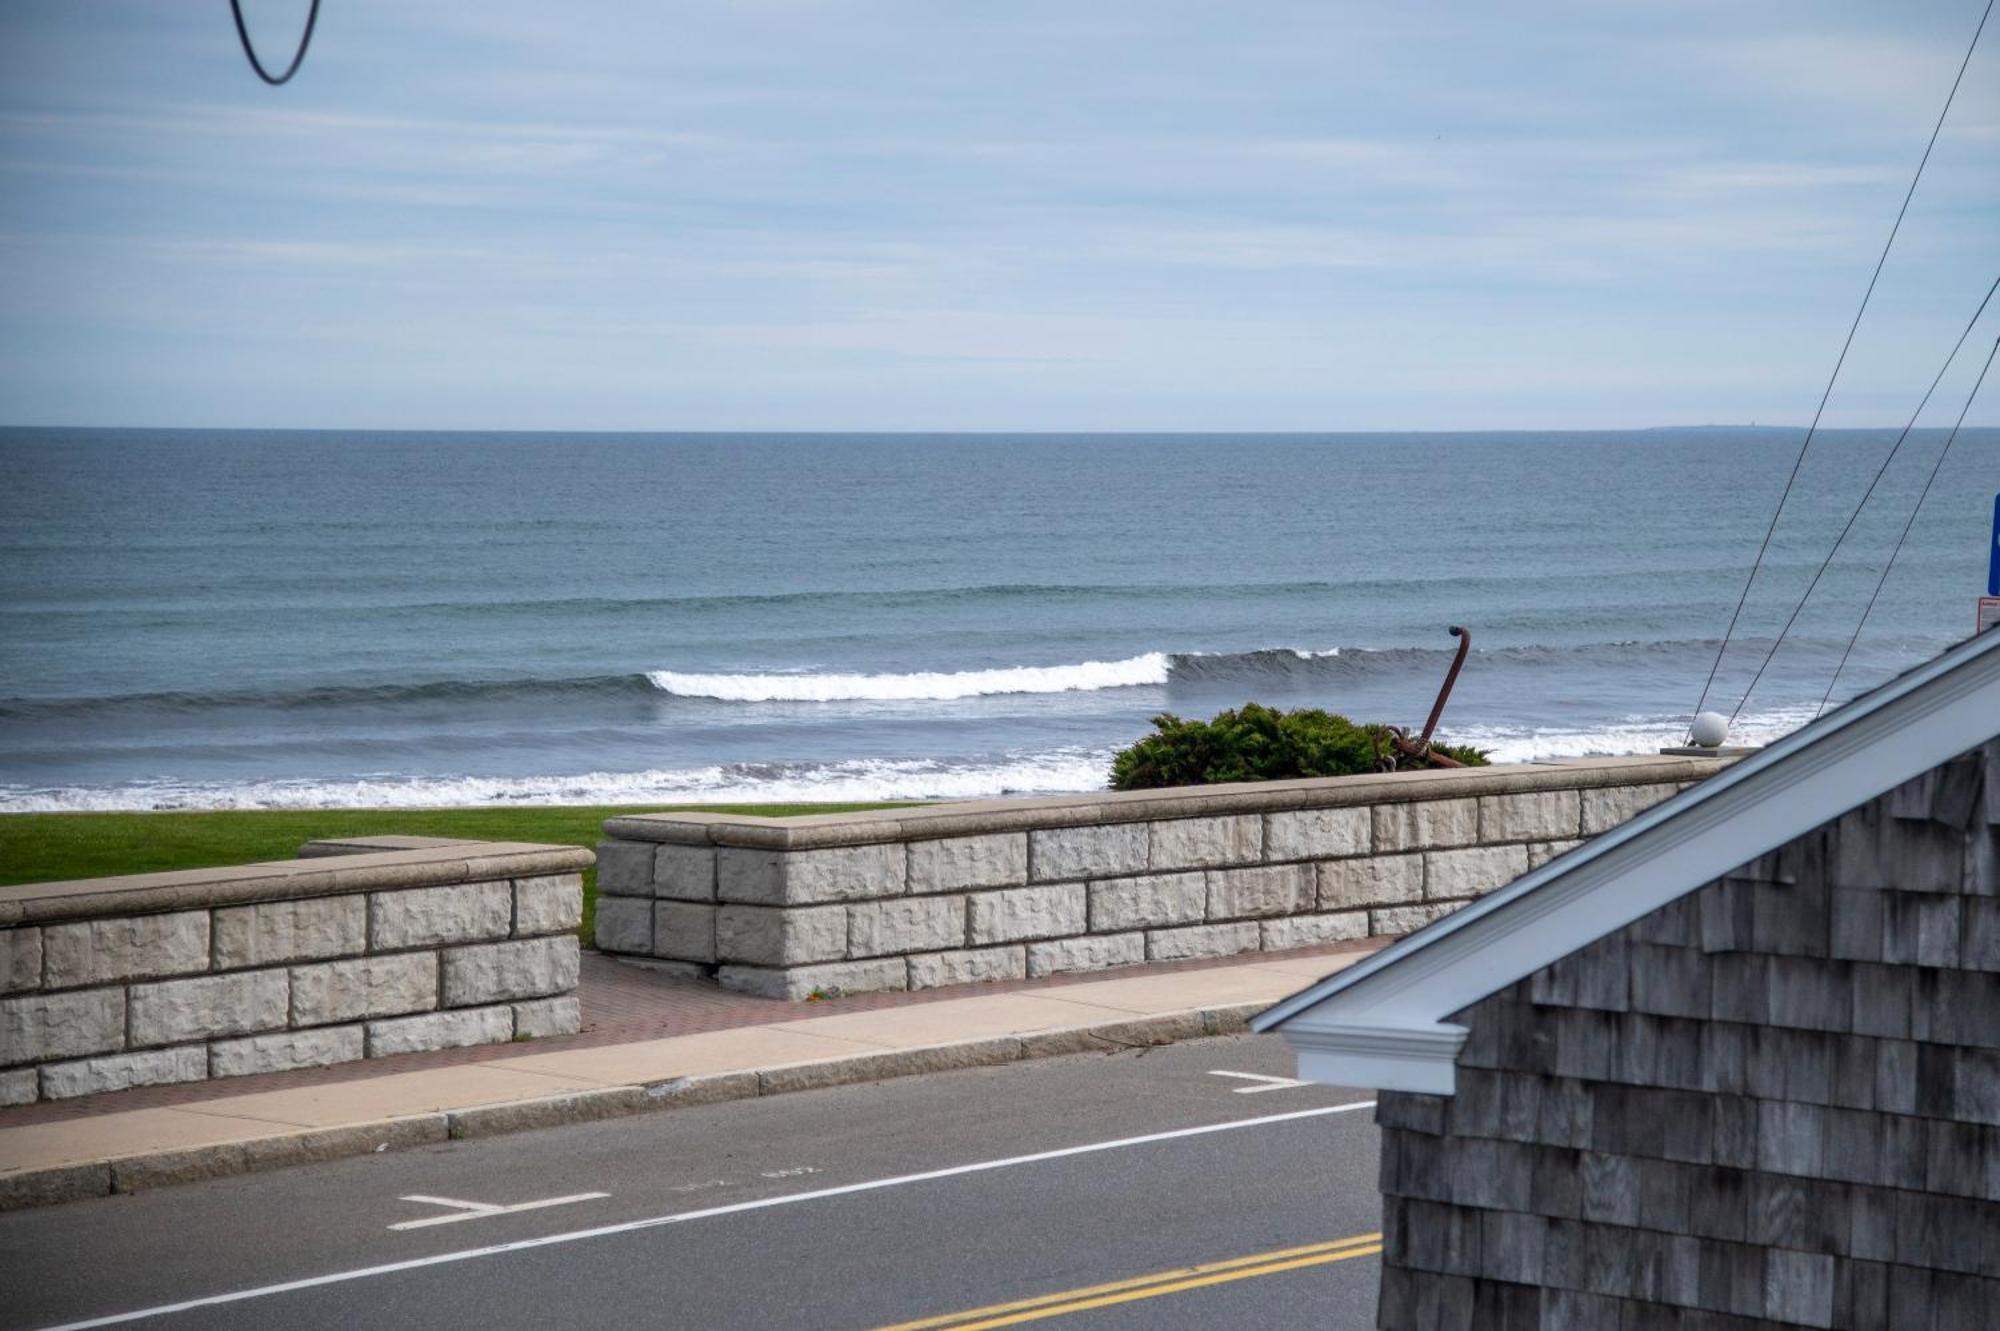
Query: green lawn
(38, 847)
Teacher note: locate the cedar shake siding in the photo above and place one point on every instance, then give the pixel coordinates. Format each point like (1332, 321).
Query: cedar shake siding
(1773, 1102)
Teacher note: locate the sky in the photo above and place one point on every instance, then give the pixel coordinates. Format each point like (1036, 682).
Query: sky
(940, 215)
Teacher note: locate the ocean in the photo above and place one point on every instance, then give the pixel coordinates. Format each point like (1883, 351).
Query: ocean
(200, 619)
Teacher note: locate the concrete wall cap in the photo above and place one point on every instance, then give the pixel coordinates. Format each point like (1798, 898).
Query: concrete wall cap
(973, 817)
(284, 880)
(369, 845)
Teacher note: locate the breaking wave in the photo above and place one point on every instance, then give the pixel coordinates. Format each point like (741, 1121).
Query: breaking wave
(1638, 734)
(1151, 668)
(859, 781)
(1240, 671)
(1155, 669)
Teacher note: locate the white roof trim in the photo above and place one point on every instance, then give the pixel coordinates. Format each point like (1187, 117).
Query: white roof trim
(1381, 1023)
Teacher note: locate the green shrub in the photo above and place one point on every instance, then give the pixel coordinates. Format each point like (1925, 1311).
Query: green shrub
(1257, 743)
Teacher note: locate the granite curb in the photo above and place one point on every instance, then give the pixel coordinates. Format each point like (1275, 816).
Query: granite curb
(79, 1181)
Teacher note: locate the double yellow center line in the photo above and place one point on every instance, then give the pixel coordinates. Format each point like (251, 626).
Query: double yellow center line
(1147, 1287)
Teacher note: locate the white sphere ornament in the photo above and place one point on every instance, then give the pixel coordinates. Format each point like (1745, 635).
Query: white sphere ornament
(1709, 730)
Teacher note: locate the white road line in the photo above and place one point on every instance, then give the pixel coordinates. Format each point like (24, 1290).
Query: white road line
(1271, 1083)
(682, 1217)
(481, 1210)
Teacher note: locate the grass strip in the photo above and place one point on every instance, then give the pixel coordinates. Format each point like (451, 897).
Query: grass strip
(41, 847)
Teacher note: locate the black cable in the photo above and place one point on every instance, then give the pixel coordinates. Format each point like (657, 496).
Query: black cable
(312, 17)
(1866, 495)
(1799, 461)
(1921, 496)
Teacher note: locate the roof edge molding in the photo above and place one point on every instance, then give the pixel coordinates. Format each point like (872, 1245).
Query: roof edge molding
(1866, 748)
(1389, 1058)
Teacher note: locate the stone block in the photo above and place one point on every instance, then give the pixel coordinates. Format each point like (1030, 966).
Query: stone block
(364, 987)
(278, 931)
(128, 947)
(810, 877)
(1541, 815)
(1315, 834)
(496, 972)
(625, 924)
(1200, 843)
(550, 904)
(976, 965)
(953, 864)
(1310, 930)
(1541, 852)
(1608, 806)
(1014, 914)
(20, 960)
(1424, 824)
(625, 868)
(1468, 873)
(780, 935)
(429, 916)
(684, 931)
(174, 1011)
(440, 1030)
(1095, 952)
(749, 876)
(37, 1027)
(679, 970)
(23, 1086)
(285, 1050)
(1389, 921)
(116, 1072)
(1202, 940)
(1154, 899)
(831, 980)
(684, 873)
(905, 924)
(1087, 852)
(1275, 889)
(1380, 880)
(544, 1018)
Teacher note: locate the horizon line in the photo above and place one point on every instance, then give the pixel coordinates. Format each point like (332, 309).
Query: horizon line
(920, 432)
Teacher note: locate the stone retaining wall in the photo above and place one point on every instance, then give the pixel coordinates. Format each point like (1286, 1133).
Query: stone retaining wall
(946, 894)
(352, 952)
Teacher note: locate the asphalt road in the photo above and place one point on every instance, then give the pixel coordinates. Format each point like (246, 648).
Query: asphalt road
(1089, 1185)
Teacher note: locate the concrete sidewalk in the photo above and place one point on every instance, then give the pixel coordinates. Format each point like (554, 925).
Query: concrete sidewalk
(133, 1140)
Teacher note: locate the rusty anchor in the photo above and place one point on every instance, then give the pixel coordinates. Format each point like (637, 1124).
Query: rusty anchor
(1419, 750)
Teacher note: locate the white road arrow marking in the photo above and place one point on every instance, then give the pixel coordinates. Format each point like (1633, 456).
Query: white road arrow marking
(1271, 1083)
(481, 1210)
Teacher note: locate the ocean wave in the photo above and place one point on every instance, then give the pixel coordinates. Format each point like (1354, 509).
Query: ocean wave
(1159, 668)
(1639, 734)
(853, 782)
(1087, 676)
(1245, 670)
(327, 697)
(270, 593)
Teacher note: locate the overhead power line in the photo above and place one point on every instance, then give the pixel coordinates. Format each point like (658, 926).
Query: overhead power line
(1799, 461)
(312, 17)
(1922, 495)
(1867, 494)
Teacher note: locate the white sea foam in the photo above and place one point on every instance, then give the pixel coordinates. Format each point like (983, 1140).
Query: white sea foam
(1056, 772)
(928, 685)
(1635, 734)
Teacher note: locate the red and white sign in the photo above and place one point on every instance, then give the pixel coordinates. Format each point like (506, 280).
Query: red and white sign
(1989, 614)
